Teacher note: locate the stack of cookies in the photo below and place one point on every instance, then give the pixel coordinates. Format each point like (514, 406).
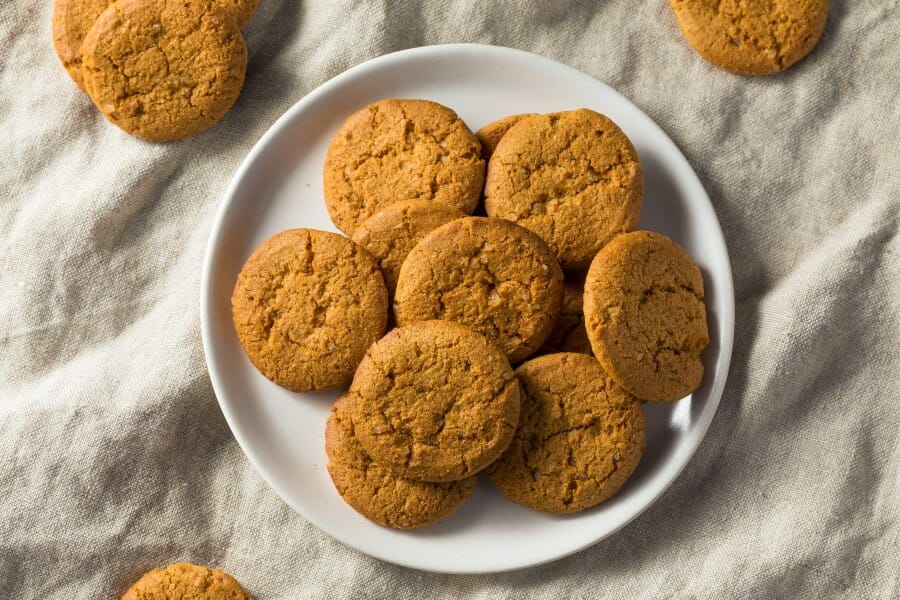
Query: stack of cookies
(522, 343)
(159, 70)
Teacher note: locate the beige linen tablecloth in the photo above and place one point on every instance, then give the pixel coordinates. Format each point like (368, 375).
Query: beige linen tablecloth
(115, 458)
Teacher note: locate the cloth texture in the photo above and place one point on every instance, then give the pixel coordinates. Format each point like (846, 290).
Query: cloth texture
(115, 457)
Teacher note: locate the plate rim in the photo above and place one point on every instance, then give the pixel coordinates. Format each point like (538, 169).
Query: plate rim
(726, 319)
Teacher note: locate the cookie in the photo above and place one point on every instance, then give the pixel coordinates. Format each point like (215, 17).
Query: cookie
(580, 436)
(163, 70)
(306, 306)
(390, 234)
(488, 274)
(572, 177)
(374, 491)
(186, 582)
(490, 134)
(645, 316)
(752, 38)
(400, 150)
(434, 401)
(73, 18)
(569, 334)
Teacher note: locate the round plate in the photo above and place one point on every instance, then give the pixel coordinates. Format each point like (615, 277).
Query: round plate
(279, 186)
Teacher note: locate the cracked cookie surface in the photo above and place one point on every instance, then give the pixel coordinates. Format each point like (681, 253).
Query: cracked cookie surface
(187, 582)
(645, 316)
(752, 38)
(490, 134)
(573, 178)
(73, 18)
(396, 150)
(163, 70)
(306, 306)
(488, 274)
(580, 436)
(569, 334)
(389, 235)
(374, 491)
(434, 401)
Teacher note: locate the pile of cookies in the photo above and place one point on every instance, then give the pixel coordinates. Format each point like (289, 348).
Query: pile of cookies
(554, 281)
(159, 70)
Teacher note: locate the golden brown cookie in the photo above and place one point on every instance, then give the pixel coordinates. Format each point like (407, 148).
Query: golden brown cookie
(434, 401)
(569, 334)
(306, 306)
(374, 491)
(71, 21)
(580, 436)
(183, 581)
(572, 177)
(752, 38)
(401, 150)
(163, 70)
(488, 274)
(645, 317)
(390, 234)
(490, 134)
(73, 18)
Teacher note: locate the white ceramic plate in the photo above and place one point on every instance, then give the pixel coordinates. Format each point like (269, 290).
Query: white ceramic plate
(279, 186)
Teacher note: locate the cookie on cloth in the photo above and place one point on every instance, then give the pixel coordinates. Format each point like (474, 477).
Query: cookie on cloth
(306, 306)
(752, 38)
(488, 274)
(163, 70)
(185, 581)
(580, 436)
(73, 18)
(645, 316)
(573, 178)
(434, 401)
(396, 150)
(390, 234)
(374, 491)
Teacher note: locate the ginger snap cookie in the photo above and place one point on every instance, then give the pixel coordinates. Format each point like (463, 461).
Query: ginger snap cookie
(488, 274)
(580, 436)
(374, 491)
(645, 316)
(73, 18)
(163, 70)
(434, 401)
(569, 334)
(185, 581)
(396, 150)
(390, 234)
(752, 38)
(490, 134)
(306, 306)
(571, 177)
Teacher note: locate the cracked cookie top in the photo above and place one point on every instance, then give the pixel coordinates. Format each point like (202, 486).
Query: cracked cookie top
(186, 581)
(390, 234)
(396, 150)
(580, 436)
(164, 70)
(374, 491)
(752, 38)
(73, 18)
(434, 401)
(488, 274)
(571, 177)
(306, 306)
(645, 316)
